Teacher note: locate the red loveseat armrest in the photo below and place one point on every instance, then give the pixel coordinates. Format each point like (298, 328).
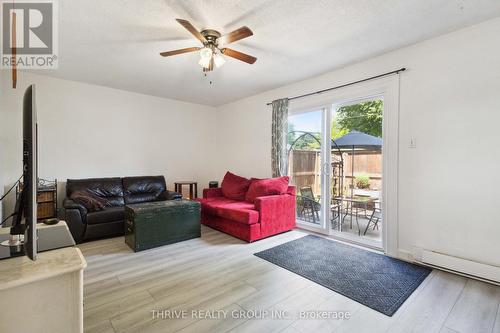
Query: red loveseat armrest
(212, 192)
(276, 213)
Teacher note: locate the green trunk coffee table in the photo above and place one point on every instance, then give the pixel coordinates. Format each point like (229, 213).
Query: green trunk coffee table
(153, 224)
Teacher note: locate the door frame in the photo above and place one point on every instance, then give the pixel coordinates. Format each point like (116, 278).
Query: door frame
(388, 87)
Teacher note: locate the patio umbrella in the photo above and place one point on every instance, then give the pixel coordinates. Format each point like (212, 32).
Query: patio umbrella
(356, 139)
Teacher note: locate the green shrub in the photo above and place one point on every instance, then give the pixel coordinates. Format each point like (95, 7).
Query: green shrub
(362, 181)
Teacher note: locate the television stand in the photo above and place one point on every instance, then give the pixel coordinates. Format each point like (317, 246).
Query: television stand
(50, 237)
(49, 291)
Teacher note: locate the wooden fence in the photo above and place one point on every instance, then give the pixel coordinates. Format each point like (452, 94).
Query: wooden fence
(305, 168)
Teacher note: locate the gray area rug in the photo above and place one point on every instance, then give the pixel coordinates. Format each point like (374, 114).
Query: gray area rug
(377, 281)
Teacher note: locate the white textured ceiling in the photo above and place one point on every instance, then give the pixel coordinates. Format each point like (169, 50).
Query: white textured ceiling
(115, 43)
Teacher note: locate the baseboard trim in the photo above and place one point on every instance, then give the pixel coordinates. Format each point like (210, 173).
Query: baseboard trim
(465, 267)
(405, 256)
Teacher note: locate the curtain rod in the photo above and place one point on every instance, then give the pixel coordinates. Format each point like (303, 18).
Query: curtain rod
(347, 84)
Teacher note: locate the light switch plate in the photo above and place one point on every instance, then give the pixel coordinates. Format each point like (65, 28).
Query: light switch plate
(412, 143)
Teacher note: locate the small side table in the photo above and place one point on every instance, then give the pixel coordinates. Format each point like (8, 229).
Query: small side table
(193, 188)
(46, 198)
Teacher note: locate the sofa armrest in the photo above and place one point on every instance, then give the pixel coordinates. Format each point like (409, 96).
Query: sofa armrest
(276, 213)
(171, 195)
(212, 192)
(75, 216)
(70, 204)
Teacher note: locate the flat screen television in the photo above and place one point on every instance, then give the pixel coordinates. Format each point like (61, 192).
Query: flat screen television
(23, 230)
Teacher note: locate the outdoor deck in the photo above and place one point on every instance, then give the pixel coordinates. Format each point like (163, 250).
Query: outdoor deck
(372, 235)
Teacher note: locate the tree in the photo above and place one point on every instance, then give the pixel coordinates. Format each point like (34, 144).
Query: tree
(309, 141)
(365, 117)
(337, 131)
(306, 141)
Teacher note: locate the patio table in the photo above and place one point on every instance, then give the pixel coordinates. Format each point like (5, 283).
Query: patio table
(355, 202)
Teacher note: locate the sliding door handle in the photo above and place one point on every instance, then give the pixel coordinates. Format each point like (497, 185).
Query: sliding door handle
(326, 169)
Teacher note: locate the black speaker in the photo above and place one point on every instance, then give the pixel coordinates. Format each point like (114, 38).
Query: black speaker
(213, 184)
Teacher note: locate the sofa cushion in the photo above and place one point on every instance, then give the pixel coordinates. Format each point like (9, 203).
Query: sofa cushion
(88, 200)
(234, 187)
(265, 187)
(110, 189)
(239, 211)
(210, 205)
(108, 214)
(242, 212)
(143, 189)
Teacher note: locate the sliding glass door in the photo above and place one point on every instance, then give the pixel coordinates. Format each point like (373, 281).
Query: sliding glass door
(306, 156)
(356, 171)
(335, 162)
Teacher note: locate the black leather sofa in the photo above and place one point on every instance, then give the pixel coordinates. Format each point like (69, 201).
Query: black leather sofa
(116, 192)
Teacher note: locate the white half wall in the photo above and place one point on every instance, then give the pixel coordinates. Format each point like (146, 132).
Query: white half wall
(92, 131)
(449, 101)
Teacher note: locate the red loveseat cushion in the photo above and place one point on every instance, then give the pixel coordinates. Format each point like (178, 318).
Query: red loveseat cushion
(242, 212)
(234, 187)
(210, 205)
(265, 187)
(239, 211)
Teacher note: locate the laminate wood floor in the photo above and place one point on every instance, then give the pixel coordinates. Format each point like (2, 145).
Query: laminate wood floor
(216, 284)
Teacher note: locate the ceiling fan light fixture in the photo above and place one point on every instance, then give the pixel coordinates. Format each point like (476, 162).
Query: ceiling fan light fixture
(204, 62)
(206, 53)
(211, 54)
(219, 60)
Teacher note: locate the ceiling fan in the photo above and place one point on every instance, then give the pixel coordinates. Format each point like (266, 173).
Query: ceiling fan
(213, 42)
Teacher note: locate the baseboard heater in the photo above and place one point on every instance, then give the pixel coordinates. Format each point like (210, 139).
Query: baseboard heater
(461, 266)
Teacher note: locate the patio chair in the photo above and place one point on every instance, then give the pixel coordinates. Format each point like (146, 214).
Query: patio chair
(309, 203)
(336, 212)
(375, 217)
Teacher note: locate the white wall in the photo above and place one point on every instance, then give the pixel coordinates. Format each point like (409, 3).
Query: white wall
(93, 131)
(449, 101)
(449, 186)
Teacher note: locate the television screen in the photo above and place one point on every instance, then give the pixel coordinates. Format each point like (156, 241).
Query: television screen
(26, 205)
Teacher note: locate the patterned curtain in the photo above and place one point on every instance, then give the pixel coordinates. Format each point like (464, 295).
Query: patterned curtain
(279, 158)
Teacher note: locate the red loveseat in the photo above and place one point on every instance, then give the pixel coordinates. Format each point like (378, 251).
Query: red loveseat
(246, 217)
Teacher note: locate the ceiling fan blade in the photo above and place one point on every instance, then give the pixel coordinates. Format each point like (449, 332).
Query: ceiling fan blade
(238, 55)
(189, 27)
(237, 34)
(179, 51)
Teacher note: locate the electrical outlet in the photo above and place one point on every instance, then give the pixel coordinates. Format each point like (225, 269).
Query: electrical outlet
(412, 143)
